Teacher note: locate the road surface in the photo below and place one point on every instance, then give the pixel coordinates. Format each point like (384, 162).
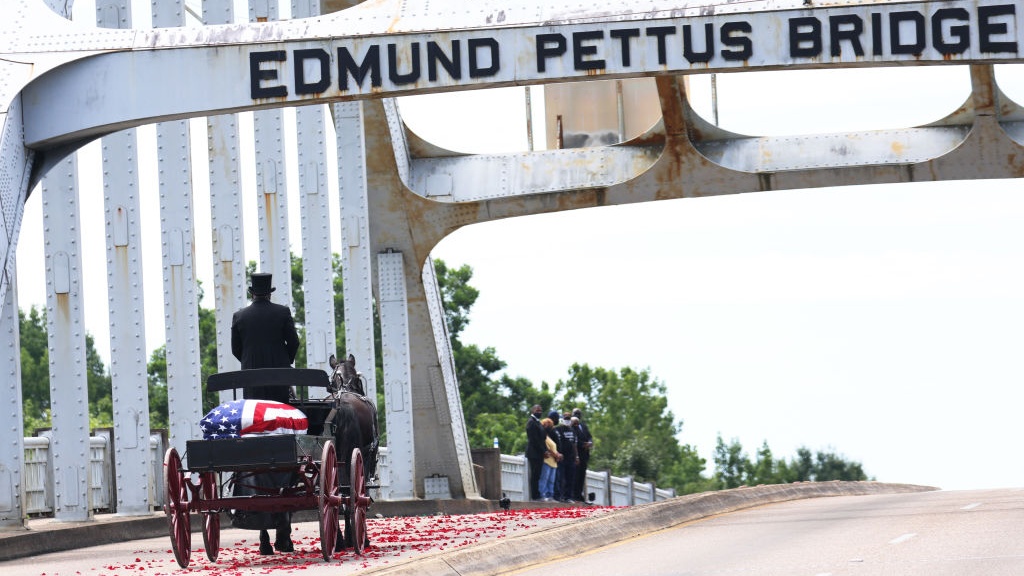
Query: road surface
(957, 533)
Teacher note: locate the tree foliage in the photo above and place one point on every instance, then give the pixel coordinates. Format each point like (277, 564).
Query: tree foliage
(627, 411)
(35, 375)
(156, 368)
(35, 369)
(733, 468)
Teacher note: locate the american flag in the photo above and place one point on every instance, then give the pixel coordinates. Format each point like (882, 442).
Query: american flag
(252, 417)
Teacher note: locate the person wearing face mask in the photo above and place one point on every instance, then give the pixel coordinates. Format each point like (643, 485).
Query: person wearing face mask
(585, 442)
(567, 447)
(535, 449)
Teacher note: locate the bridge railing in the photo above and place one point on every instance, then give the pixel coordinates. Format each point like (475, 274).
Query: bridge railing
(608, 490)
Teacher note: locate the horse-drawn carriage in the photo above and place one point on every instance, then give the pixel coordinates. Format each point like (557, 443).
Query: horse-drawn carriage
(342, 425)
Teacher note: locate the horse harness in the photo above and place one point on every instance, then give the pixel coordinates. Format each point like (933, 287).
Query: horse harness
(372, 447)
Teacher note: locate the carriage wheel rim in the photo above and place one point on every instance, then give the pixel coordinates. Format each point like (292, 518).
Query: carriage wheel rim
(211, 535)
(358, 502)
(179, 523)
(328, 511)
(211, 520)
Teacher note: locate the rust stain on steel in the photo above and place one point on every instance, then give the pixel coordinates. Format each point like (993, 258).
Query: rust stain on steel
(672, 97)
(898, 148)
(227, 273)
(63, 307)
(651, 138)
(268, 210)
(1015, 164)
(121, 258)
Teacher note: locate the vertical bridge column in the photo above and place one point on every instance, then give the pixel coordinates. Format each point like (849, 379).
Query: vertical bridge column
(129, 385)
(394, 329)
(65, 324)
(177, 235)
(225, 219)
(271, 183)
(12, 441)
(356, 262)
(317, 262)
(15, 163)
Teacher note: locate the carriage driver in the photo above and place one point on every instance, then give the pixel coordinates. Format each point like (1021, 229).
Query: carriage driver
(263, 336)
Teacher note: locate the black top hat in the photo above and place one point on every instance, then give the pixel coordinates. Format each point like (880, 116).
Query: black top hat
(261, 283)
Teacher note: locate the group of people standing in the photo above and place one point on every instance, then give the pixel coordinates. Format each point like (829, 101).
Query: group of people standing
(558, 452)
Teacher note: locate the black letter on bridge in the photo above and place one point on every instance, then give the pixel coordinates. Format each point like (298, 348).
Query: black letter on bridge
(257, 75)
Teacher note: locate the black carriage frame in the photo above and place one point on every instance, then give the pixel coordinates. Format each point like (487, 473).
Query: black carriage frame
(197, 489)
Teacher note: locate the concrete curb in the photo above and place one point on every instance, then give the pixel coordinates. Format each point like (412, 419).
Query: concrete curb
(518, 552)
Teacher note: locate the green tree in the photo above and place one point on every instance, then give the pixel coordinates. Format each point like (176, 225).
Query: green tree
(731, 464)
(101, 405)
(635, 432)
(156, 377)
(35, 369)
(156, 368)
(207, 352)
(686, 472)
(733, 468)
(494, 406)
(801, 469)
(764, 470)
(35, 375)
(458, 296)
(831, 466)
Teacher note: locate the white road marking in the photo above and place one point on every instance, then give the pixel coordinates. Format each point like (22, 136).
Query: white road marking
(903, 538)
(971, 506)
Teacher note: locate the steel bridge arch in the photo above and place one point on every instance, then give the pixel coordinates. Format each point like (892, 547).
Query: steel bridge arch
(682, 156)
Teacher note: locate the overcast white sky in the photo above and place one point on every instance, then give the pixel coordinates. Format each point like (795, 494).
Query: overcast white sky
(885, 323)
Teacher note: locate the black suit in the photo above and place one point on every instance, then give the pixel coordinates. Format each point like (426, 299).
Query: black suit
(263, 336)
(535, 449)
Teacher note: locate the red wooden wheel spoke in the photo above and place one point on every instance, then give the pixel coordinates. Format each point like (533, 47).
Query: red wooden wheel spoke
(328, 500)
(211, 520)
(179, 523)
(358, 502)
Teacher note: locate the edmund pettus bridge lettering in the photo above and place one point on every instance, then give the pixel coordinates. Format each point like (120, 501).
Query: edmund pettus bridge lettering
(366, 65)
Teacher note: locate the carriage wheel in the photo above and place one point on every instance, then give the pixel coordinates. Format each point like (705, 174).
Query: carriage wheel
(211, 519)
(358, 503)
(328, 492)
(176, 508)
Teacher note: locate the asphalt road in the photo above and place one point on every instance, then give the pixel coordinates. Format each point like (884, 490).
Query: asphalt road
(954, 533)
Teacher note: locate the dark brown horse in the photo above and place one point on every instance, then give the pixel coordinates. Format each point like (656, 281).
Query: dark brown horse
(355, 427)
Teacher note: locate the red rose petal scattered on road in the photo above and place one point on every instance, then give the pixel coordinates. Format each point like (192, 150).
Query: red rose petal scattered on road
(390, 538)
